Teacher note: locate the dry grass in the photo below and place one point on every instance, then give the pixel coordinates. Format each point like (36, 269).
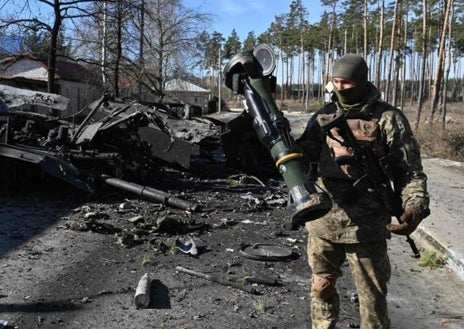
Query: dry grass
(438, 141)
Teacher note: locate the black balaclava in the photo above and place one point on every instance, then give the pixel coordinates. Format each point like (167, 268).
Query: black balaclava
(351, 67)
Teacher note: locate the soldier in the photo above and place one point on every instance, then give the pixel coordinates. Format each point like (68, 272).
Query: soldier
(359, 224)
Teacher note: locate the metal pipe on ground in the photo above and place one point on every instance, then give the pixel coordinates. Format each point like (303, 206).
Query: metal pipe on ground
(149, 193)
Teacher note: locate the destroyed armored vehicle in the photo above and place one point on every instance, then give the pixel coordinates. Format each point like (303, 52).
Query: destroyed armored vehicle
(122, 141)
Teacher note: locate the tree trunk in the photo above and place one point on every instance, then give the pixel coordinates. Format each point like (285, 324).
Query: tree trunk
(301, 95)
(118, 49)
(445, 84)
(141, 50)
(366, 34)
(392, 50)
(403, 66)
(53, 44)
(103, 42)
(282, 75)
(440, 63)
(380, 45)
(329, 57)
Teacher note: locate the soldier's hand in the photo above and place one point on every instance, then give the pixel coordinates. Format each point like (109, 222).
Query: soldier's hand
(409, 221)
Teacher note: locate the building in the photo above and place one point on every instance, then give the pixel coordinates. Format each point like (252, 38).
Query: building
(182, 91)
(72, 80)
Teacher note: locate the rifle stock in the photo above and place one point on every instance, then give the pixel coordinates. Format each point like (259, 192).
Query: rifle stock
(374, 169)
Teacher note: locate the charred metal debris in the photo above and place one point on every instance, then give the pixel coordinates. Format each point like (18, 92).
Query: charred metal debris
(125, 144)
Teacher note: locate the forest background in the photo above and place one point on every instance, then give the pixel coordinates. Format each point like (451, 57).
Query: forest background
(414, 49)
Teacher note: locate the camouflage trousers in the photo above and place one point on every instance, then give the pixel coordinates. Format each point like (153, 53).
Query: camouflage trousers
(370, 268)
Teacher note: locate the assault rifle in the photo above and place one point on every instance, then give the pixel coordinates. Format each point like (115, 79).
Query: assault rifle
(375, 171)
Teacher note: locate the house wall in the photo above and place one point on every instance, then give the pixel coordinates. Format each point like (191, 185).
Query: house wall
(189, 97)
(79, 94)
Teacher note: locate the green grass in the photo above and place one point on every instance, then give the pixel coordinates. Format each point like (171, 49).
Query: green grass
(260, 306)
(431, 259)
(147, 259)
(232, 182)
(171, 247)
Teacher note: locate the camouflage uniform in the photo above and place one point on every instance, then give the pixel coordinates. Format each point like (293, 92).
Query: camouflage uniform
(355, 228)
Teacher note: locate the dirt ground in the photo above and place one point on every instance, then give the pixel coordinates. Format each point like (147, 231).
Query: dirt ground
(59, 270)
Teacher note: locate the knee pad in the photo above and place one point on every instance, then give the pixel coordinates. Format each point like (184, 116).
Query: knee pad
(321, 287)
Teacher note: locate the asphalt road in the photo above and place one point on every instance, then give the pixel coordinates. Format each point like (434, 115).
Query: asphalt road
(55, 277)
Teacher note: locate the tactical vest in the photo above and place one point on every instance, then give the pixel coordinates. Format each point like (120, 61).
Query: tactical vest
(337, 161)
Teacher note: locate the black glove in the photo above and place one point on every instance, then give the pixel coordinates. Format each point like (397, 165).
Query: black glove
(409, 221)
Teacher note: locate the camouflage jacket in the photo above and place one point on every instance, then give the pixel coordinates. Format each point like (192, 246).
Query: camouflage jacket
(360, 216)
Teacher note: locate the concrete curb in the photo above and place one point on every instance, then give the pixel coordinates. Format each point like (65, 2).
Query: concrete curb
(454, 260)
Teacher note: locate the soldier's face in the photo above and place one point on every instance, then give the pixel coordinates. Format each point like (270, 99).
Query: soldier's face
(342, 84)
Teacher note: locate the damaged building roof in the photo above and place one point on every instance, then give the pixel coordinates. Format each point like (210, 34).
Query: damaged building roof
(29, 66)
(182, 85)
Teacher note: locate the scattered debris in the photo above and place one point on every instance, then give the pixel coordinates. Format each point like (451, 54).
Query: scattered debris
(246, 179)
(259, 278)
(187, 248)
(219, 280)
(142, 293)
(149, 193)
(103, 228)
(136, 219)
(354, 298)
(266, 252)
(17, 98)
(225, 222)
(128, 240)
